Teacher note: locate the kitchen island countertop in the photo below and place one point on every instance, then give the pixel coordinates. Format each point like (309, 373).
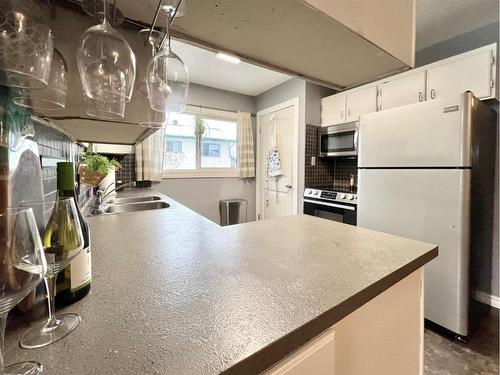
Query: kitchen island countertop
(174, 293)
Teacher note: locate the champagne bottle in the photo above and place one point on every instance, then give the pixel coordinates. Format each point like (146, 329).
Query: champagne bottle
(73, 283)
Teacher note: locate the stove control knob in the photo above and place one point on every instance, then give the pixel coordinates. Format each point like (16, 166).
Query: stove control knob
(308, 192)
(350, 197)
(316, 192)
(342, 196)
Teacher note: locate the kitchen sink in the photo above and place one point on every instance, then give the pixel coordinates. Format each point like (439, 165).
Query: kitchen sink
(133, 207)
(147, 198)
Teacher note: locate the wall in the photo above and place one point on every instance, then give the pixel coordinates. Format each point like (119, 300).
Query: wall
(314, 93)
(203, 194)
(484, 274)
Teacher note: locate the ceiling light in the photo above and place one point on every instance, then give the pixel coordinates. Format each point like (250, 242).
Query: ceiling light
(228, 58)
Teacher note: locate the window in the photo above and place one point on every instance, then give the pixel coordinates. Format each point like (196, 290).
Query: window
(211, 150)
(201, 146)
(174, 147)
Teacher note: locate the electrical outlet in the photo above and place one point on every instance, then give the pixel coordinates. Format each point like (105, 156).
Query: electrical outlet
(313, 161)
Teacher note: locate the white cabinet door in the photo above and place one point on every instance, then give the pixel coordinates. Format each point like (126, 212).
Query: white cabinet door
(402, 91)
(333, 110)
(316, 357)
(472, 73)
(360, 102)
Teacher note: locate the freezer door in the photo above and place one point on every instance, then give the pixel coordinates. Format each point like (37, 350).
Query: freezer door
(435, 133)
(428, 205)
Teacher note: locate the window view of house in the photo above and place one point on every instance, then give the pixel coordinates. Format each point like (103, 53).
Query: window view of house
(217, 140)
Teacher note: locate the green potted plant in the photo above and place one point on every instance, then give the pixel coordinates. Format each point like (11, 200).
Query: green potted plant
(95, 167)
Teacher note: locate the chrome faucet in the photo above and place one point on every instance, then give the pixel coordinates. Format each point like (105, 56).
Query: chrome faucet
(102, 194)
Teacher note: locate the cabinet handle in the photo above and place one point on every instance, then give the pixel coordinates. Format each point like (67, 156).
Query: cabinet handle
(420, 96)
(349, 112)
(433, 94)
(341, 114)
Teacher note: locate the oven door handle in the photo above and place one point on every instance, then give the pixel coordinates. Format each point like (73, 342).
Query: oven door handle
(350, 208)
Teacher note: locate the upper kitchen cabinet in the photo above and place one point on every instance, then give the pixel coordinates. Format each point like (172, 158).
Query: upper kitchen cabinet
(348, 106)
(474, 72)
(333, 109)
(344, 44)
(359, 102)
(408, 89)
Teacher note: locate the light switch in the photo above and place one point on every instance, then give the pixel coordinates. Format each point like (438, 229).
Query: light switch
(313, 161)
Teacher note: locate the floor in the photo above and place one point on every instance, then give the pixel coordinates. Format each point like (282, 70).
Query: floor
(479, 356)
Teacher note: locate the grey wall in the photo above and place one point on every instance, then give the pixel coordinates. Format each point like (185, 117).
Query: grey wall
(203, 194)
(314, 93)
(484, 274)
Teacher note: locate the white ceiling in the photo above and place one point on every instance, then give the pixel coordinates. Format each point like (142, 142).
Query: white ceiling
(205, 69)
(439, 20)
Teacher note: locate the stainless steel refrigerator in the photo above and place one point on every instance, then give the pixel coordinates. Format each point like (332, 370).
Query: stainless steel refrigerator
(426, 172)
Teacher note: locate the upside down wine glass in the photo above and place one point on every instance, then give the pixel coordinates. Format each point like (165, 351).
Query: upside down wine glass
(62, 241)
(106, 63)
(167, 77)
(22, 267)
(150, 117)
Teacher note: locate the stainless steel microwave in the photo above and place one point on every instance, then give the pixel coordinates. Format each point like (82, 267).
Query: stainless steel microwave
(338, 140)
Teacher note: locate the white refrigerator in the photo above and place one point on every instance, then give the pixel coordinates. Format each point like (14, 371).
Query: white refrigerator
(426, 172)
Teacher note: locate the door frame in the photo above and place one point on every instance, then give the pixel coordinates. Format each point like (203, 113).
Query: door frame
(259, 182)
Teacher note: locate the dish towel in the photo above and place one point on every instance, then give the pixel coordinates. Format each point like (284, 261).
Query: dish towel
(273, 162)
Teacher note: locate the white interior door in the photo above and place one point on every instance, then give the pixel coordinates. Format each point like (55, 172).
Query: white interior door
(276, 195)
(430, 205)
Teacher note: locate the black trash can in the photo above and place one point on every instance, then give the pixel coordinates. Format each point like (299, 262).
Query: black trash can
(233, 211)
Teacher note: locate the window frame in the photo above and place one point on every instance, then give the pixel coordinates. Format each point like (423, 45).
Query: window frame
(200, 172)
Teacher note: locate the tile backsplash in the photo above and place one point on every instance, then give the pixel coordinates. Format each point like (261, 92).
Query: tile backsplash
(328, 172)
(127, 172)
(54, 146)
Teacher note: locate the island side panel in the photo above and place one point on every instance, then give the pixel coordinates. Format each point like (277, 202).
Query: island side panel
(384, 336)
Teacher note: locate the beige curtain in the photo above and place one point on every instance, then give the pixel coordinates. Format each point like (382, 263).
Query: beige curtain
(149, 157)
(246, 158)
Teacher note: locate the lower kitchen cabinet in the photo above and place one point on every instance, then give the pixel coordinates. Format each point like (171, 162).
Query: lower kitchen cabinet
(383, 336)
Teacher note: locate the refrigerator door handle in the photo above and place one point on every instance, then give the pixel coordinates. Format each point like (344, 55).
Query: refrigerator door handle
(356, 133)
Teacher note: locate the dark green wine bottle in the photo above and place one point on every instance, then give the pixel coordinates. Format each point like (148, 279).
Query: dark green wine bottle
(73, 283)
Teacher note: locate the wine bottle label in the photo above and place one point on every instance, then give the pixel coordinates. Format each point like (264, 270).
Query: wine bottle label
(80, 270)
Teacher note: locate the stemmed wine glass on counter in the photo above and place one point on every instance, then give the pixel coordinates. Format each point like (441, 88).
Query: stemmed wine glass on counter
(22, 267)
(62, 241)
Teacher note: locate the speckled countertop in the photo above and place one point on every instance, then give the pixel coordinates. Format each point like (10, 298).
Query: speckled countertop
(174, 293)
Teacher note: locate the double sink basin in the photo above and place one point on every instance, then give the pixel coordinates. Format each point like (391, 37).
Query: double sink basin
(133, 204)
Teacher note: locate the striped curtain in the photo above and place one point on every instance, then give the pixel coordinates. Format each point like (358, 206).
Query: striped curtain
(149, 157)
(246, 157)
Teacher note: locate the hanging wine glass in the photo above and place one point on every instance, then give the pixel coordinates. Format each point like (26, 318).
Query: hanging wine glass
(105, 110)
(52, 97)
(167, 77)
(26, 45)
(106, 63)
(150, 117)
